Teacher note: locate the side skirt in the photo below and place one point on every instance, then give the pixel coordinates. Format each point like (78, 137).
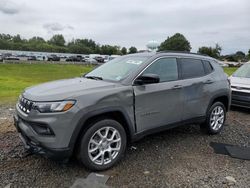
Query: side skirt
(140, 135)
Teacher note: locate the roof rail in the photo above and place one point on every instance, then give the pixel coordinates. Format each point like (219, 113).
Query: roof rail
(181, 52)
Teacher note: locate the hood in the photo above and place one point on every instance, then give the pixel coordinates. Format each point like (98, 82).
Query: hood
(64, 89)
(238, 81)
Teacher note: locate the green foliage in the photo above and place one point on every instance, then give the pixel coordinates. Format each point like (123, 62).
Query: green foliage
(210, 51)
(239, 56)
(132, 50)
(124, 51)
(177, 42)
(15, 77)
(57, 40)
(56, 44)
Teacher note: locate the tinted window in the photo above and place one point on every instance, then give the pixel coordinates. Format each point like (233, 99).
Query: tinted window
(208, 67)
(165, 68)
(191, 68)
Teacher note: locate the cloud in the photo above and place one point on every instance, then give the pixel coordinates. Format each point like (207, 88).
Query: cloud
(51, 27)
(8, 7)
(133, 22)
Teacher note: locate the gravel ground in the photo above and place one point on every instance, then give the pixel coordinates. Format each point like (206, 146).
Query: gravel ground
(179, 157)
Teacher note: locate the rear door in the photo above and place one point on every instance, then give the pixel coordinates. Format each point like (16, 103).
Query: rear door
(159, 104)
(196, 82)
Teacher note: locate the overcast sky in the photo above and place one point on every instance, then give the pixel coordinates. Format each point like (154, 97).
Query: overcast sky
(132, 22)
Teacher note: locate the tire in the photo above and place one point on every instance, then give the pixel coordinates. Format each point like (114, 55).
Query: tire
(93, 144)
(215, 119)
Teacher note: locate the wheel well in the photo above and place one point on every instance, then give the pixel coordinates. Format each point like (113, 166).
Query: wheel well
(223, 99)
(116, 115)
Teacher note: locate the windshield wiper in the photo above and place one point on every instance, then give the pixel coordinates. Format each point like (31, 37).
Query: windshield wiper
(93, 77)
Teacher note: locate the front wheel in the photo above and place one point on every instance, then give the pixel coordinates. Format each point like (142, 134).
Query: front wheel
(102, 145)
(215, 119)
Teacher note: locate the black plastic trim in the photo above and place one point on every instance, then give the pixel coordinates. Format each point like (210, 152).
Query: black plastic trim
(140, 135)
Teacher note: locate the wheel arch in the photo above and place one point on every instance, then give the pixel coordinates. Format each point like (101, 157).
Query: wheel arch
(223, 98)
(117, 114)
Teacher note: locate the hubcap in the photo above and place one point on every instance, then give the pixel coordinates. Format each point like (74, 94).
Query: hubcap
(217, 118)
(104, 145)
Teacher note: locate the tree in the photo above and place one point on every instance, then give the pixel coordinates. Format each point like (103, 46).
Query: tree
(57, 40)
(17, 39)
(37, 40)
(249, 54)
(109, 50)
(177, 42)
(240, 56)
(132, 50)
(210, 51)
(124, 51)
(57, 44)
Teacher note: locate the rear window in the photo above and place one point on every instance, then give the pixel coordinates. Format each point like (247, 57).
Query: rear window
(208, 67)
(191, 68)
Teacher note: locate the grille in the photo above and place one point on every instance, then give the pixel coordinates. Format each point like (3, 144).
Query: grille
(241, 93)
(25, 105)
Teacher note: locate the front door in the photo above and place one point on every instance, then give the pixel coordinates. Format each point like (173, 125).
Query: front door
(159, 104)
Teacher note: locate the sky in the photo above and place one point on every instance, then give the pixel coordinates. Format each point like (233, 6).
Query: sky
(132, 22)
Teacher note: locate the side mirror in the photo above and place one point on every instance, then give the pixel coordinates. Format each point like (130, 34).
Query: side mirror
(147, 79)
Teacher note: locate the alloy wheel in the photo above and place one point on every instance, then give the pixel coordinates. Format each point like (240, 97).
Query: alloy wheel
(104, 146)
(217, 118)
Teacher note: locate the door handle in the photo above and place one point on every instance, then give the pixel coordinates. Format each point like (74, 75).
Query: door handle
(208, 82)
(177, 87)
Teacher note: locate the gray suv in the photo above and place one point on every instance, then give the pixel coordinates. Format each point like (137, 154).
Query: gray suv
(95, 116)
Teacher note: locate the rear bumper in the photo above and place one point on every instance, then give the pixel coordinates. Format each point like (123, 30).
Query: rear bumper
(240, 99)
(37, 147)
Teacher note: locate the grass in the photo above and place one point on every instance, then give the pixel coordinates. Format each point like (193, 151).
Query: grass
(230, 70)
(15, 77)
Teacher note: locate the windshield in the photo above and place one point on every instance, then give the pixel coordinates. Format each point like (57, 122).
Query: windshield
(243, 71)
(118, 68)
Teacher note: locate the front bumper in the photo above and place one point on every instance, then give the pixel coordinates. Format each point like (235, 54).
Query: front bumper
(34, 146)
(241, 99)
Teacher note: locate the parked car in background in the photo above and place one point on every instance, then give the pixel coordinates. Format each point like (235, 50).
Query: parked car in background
(90, 60)
(96, 115)
(77, 58)
(1, 58)
(240, 84)
(99, 59)
(86, 58)
(31, 58)
(14, 58)
(223, 64)
(234, 64)
(108, 58)
(53, 58)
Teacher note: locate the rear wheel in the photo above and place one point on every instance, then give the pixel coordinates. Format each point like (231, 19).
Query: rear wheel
(215, 119)
(102, 145)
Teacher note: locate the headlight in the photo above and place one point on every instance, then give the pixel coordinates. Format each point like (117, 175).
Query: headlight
(47, 107)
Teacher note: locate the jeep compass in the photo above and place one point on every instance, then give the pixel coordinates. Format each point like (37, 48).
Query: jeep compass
(95, 116)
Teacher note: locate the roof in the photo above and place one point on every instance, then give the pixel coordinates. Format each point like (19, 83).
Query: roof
(172, 53)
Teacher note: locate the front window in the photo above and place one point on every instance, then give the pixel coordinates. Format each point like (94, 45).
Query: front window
(118, 68)
(243, 71)
(165, 68)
